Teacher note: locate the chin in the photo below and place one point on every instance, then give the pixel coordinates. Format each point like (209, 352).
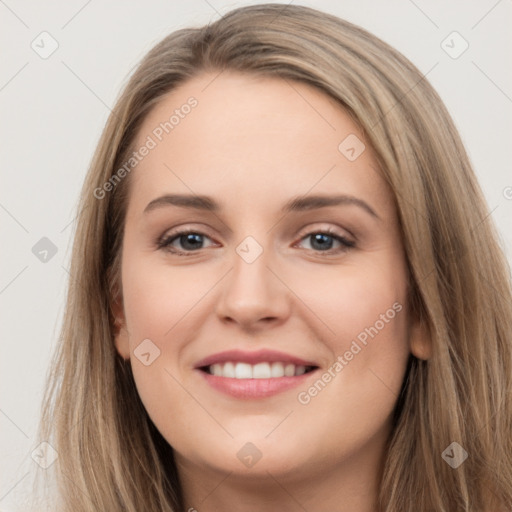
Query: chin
(249, 456)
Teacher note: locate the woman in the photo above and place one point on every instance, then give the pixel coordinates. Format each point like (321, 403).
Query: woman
(286, 291)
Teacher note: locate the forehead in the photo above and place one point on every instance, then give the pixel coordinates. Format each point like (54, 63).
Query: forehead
(225, 132)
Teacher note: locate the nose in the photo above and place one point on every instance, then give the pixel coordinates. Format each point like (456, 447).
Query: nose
(254, 295)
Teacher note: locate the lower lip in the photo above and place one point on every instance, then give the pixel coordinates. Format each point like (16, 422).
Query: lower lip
(254, 388)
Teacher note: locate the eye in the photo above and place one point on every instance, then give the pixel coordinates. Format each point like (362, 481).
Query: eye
(323, 241)
(189, 240)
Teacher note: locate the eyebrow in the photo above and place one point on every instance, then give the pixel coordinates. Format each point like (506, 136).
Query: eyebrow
(297, 204)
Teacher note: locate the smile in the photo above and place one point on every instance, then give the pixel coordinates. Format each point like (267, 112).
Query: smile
(254, 374)
(264, 370)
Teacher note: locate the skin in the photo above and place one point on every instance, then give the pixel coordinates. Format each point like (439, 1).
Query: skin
(252, 144)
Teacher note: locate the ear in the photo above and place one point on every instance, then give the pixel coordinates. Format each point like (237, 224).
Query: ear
(419, 339)
(121, 338)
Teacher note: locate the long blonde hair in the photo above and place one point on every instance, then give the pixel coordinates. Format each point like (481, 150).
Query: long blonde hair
(110, 455)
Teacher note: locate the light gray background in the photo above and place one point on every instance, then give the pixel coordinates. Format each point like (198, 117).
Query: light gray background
(53, 111)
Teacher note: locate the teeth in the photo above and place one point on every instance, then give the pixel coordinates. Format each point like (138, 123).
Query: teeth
(276, 370)
(216, 369)
(256, 371)
(289, 370)
(261, 371)
(243, 371)
(300, 370)
(228, 370)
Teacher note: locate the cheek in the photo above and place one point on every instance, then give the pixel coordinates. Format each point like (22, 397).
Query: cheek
(365, 302)
(365, 319)
(164, 310)
(157, 298)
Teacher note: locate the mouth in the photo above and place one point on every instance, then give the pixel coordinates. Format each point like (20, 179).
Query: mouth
(264, 370)
(254, 375)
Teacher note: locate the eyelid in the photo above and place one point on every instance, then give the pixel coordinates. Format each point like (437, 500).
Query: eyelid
(326, 228)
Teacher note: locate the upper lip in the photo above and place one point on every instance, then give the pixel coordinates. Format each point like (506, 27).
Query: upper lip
(253, 357)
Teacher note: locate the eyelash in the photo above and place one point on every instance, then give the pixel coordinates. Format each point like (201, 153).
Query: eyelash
(164, 242)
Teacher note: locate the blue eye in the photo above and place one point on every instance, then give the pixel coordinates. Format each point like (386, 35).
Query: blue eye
(324, 240)
(191, 241)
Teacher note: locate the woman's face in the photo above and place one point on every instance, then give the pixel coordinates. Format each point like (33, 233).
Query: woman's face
(294, 260)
